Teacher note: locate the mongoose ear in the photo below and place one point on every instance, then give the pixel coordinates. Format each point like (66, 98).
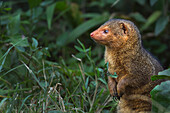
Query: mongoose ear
(124, 28)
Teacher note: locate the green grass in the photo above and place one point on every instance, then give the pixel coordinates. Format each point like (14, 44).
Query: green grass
(52, 87)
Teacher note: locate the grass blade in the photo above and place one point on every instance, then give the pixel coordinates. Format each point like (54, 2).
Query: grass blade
(2, 102)
(23, 103)
(31, 72)
(50, 13)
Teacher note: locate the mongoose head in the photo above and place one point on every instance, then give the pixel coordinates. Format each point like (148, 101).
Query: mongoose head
(116, 33)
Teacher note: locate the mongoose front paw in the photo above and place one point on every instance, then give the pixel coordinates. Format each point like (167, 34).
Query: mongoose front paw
(112, 85)
(120, 93)
(113, 90)
(121, 88)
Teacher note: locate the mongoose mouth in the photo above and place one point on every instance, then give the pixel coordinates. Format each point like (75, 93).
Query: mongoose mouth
(96, 38)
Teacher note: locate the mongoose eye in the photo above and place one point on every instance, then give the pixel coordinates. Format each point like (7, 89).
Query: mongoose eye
(106, 31)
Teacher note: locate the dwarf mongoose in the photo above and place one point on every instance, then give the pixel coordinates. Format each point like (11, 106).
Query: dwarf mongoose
(132, 63)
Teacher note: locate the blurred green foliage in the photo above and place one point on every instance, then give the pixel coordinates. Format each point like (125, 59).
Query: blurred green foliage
(43, 68)
(160, 94)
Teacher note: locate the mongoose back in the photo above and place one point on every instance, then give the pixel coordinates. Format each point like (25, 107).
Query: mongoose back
(132, 63)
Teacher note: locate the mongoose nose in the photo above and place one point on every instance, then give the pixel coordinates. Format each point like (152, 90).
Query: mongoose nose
(91, 34)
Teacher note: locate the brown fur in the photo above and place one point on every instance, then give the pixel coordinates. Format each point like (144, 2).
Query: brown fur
(132, 63)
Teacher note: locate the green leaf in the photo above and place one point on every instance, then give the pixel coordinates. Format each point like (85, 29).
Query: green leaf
(88, 49)
(82, 45)
(79, 49)
(50, 12)
(165, 72)
(101, 92)
(151, 20)
(156, 77)
(90, 15)
(33, 3)
(7, 9)
(162, 75)
(39, 54)
(106, 66)
(46, 52)
(46, 3)
(62, 39)
(160, 98)
(103, 81)
(84, 89)
(1, 3)
(34, 43)
(114, 75)
(61, 5)
(20, 49)
(35, 13)
(100, 69)
(19, 41)
(141, 2)
(152, 2)
(161, 24)
(138, 17)
(86, 26)
(14, 24)
(87, 82)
